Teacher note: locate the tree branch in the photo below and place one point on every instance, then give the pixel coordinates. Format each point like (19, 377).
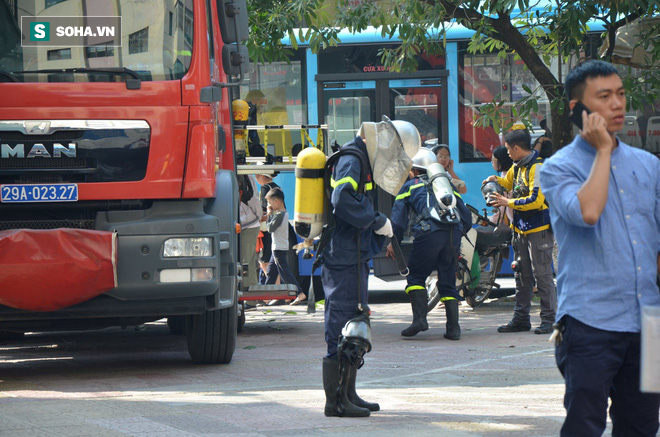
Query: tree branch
(613, 28)
(459, 13)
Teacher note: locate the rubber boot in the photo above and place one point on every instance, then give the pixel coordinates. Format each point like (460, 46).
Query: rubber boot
(453, 329)
(418, 301)
(353, 396)
(343, 408)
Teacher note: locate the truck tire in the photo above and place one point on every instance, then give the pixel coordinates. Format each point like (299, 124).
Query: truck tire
(177, 325)
(212, 336)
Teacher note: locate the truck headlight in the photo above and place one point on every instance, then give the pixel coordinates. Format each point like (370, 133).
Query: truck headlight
(187, 247)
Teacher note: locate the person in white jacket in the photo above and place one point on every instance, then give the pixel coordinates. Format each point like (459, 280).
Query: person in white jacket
(250, 216)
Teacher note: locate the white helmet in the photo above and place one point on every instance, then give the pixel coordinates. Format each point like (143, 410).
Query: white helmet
(408, 134)
(424, 158)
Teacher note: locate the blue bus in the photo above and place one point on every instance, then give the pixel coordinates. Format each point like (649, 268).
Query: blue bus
(346, 85)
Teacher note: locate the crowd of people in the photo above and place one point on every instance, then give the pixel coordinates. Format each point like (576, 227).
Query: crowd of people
(596, 201)
(266, 236)
(603, 198)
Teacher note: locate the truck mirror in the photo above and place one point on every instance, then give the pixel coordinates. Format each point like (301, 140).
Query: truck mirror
(233, 20)
(235, 59)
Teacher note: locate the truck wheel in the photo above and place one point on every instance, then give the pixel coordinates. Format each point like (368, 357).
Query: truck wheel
(241, 318)
(177, 325)
(212, 336)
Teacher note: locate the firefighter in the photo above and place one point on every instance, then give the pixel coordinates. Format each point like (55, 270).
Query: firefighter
(381, 153)
(436, 245)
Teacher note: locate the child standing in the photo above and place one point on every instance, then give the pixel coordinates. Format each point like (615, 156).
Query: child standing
(277, 224)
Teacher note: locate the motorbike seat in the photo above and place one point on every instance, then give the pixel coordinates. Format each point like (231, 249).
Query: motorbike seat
(488, 237)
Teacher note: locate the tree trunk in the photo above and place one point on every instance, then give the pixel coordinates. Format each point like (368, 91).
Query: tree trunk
(562, 129)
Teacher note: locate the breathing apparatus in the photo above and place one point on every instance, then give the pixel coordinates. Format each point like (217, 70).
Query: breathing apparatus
(310, 193)
(440, 182)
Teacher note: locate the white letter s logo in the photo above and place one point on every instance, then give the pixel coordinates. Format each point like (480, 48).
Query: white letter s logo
(39, 31)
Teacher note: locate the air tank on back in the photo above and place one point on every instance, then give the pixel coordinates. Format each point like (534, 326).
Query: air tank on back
(310, 194)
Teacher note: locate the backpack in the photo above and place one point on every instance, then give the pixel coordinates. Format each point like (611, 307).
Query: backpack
(516, 170)
(464, 214)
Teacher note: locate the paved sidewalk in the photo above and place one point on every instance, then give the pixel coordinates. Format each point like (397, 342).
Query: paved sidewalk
(141, 383)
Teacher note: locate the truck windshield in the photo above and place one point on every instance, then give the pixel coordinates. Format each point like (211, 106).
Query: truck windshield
(154, 39)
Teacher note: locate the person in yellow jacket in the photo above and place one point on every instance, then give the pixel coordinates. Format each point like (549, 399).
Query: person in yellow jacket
(532, 237)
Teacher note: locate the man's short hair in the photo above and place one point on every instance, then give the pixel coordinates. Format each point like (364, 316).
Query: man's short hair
(576, 80)
(520, 138)
(275, 193)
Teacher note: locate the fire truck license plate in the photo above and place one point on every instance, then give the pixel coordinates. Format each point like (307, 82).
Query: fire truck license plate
(39, 193)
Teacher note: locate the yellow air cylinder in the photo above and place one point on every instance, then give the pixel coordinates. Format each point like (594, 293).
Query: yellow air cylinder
(310, 193)
(240, 110)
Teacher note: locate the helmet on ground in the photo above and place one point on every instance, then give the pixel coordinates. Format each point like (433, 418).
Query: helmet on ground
(408, 134)
(423, 158)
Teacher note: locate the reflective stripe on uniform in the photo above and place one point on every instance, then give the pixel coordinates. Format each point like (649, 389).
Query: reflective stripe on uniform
(414, 287)
(445, 299)
(349, 180)
(412, 187)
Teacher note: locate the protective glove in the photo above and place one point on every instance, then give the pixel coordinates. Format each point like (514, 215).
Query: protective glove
(386, 229)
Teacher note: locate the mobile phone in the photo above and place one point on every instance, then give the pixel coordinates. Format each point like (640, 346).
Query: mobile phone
(576, 113)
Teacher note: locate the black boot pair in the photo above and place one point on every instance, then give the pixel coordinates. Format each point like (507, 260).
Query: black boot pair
(418, 301)
(348, 404)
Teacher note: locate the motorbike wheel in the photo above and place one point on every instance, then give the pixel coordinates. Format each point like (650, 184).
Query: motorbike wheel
(479, 296)
(432, 290)
(485, 285)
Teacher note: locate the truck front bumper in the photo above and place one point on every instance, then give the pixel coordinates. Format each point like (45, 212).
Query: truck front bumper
(140, 288)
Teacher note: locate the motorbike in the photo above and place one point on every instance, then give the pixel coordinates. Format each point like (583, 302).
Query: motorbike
(481, 254)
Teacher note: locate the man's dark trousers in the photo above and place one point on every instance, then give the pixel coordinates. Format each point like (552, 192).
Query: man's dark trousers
(598, 364)
(340, 287)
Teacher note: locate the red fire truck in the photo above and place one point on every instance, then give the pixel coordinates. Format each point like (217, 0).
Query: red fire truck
(118, 195)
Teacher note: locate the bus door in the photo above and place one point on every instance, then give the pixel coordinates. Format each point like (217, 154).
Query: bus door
(348, 100)
(345, 106)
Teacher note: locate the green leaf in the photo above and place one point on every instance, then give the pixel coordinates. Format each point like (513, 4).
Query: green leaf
(249, 347)
(292, 38)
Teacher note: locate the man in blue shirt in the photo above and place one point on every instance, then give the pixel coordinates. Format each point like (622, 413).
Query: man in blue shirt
(604, 201)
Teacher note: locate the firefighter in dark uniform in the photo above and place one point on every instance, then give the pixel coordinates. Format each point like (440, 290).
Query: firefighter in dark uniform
(357, 226)
(436, 246)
